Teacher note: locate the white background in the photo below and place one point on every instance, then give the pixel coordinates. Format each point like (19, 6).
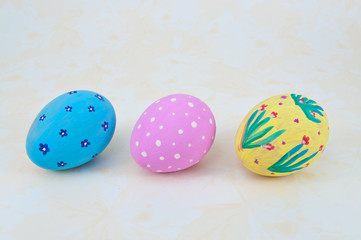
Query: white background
(230, 54)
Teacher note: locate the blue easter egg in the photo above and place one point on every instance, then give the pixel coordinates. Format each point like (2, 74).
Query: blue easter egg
(71, 130)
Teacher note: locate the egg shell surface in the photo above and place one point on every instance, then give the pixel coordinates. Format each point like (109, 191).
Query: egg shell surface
(173, 133)
(282, 135)
(71, 130)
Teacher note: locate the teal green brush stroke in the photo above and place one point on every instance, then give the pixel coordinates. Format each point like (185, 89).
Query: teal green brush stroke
(287, 162)
(307, 107)
(251, 135)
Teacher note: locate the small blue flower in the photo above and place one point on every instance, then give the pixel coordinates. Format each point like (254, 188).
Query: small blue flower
(99, 97)
(68, 108)
(91, 109)
(42, 117)
(61, 164)
(95, 155)
(85, 143)
(105, 125)
(63, 133)
(72, 92)
(44, 148)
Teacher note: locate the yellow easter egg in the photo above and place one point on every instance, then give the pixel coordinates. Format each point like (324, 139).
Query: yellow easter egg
(282, 135)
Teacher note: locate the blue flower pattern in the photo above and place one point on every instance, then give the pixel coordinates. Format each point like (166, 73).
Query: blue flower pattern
(85, 143)
(42, 117)
(63, 133)
(91, 109)
(68, 108)
(99, 97)
(105, 125)
(61, 164)
(44, 148)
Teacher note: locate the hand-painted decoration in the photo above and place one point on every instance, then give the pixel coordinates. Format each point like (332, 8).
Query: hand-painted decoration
(282, 135)
(252, 135)
(173, 134)
(61, 139)
(308, 106)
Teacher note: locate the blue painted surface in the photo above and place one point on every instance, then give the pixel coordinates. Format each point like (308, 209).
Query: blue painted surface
(71, 130)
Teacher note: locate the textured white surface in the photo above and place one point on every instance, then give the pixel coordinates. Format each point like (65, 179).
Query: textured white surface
(230, 54)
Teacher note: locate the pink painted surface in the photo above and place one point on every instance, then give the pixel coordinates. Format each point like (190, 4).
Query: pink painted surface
(173, 133)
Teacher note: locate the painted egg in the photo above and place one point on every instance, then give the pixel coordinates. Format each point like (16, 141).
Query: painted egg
(173, 133)
(282, 135)
(71, 130)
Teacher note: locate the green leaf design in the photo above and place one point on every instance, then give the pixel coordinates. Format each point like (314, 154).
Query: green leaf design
(287, 162)
(308, 105)
(251, 135)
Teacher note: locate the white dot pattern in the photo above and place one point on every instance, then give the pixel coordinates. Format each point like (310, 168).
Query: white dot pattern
(175, 134)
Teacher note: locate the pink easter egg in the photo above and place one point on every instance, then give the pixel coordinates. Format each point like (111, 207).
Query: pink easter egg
(173, 134)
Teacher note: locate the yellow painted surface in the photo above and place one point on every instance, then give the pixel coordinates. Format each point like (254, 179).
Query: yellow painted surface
(285, 115)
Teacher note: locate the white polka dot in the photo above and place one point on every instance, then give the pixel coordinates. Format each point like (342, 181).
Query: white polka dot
(179, 168)
(144, 154)
(190, 104)
(203, 137)
(148, 165)
(136, 143)
(152, 119)
(186, 114)
(173, 143)
(180, 131)
(204, 109)
(189, 145)
(210, 121)
(148, 134)
(194, 124)
(161, 158)
(139, 125)
(169, 166)
(177, 156)
(160, 108)
(160, 127)
(159, 171)
(191, 160)
(199, 117)
(204, 151)
(158, 143)
(173, 114)
(173, 99)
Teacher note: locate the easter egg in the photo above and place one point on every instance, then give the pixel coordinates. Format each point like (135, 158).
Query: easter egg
(71, 130)
(173, 134)
(282, 135)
